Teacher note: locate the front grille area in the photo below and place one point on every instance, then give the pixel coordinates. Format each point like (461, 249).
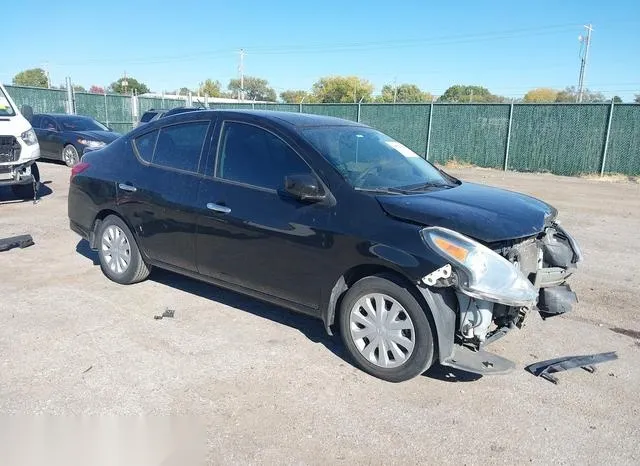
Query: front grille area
(9, 149)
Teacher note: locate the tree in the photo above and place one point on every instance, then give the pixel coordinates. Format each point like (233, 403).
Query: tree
(570, 94)
(210, 88)
(541, 94)
(96, 89)
(79, 88)
(461, 93)
(296, 96)
(35, 77)
(254, 89)
(132, 85)
(617, 99)
(637, 99)
(184, 91)
(403, 93)
(335, 89)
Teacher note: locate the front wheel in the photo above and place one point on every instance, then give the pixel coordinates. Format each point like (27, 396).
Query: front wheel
(385, 329)
(70, 155)
(120, 258)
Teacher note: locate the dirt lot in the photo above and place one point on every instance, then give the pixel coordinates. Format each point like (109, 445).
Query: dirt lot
(270, 387)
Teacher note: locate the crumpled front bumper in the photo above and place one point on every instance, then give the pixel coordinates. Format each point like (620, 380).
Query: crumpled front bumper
(19, 171)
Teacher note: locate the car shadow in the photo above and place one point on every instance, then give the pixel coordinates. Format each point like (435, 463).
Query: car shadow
(8, 197)
(310, 327)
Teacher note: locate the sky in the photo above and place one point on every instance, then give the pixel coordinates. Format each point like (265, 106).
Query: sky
(508, 47)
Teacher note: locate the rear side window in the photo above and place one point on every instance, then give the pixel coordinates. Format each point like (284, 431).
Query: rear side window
(254, 156)
(180, 146)
(145, 145)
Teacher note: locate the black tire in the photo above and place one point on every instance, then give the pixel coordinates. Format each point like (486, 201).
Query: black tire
(74, 155)
(25, 191)
(422, 356)
(137, 270)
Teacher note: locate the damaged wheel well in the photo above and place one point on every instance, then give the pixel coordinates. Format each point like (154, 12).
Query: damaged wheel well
(98, 220)
(351, 276)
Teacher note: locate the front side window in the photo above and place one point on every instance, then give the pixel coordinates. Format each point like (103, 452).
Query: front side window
(369, 159)
(5, 106)
(180, 146)
(48, 123)
(254, 156)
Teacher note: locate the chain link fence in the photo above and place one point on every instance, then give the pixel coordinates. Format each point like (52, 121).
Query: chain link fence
(565, 139)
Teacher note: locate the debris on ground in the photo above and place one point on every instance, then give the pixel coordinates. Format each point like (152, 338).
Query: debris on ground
(587, 362)
(21, 241)
(166, 313)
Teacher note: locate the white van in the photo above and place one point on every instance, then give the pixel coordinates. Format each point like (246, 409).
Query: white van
(19, 150)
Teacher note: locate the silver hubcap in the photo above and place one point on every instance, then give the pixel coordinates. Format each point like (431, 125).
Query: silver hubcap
(70, 155)
(116, 250)
(382, 330)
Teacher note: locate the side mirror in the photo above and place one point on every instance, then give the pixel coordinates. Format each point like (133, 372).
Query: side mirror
(304, 187)
(27, 112)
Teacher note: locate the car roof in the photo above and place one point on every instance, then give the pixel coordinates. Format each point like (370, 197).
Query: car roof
(62, 115)
(293, 118)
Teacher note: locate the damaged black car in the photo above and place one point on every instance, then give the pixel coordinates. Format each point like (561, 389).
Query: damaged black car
(333, 219)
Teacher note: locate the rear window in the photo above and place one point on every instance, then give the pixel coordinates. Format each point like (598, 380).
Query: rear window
(148, 116)
(180, 146)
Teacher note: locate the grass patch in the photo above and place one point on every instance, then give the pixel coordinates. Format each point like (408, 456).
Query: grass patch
(611, 178)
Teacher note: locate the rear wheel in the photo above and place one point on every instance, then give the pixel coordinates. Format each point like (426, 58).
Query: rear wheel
(70, 155)
(385, 329)
(120, 258)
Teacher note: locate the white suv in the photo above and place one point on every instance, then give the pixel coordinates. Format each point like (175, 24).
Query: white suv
(19, 149)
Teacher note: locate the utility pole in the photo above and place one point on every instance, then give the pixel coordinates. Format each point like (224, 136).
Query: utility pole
(586, 41)
(395, 90)
(241, 71)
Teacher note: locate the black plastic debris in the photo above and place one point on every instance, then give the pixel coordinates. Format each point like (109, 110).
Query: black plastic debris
(167, 313)
(21, 241)
(545, 369)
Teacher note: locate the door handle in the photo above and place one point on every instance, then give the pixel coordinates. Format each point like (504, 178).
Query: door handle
(127, 187)
(223, 209)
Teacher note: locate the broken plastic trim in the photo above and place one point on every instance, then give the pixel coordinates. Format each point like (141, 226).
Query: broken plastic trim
(544, 369)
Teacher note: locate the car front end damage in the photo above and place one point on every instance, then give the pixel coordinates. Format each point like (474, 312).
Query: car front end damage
(486, 290)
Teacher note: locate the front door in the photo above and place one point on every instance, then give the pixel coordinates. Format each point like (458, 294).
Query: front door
(49, 138)
(249, 233)
(159, 195)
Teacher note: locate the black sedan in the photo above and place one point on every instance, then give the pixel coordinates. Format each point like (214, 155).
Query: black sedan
(65, 137)
(333, 219)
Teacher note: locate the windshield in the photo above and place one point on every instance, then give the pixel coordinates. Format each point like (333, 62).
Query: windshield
(369, 159)
(81, 124)
(5, 107)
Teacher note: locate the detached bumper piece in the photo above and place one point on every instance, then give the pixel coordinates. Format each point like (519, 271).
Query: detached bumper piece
(545, 369)
(478, 362)
(22, 241)
(556, 300)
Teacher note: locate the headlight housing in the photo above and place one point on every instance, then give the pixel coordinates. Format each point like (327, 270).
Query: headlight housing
(92, 144)
(29, 137)
(482, 273)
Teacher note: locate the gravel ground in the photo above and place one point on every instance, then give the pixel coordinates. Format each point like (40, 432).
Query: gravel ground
(268, 386)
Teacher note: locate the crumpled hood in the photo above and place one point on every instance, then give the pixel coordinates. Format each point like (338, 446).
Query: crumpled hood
(103, 136)
(481, 212)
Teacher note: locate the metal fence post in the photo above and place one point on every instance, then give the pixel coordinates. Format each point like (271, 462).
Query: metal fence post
(506, 149)
(106, 109)
(606, 139)
(426, 151)
(359, 108)
(69, 97)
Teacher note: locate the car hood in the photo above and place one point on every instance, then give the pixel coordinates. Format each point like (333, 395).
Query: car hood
(481, 212)
(103, 136)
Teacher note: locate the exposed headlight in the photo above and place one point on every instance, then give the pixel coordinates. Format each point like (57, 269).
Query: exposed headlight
(482, 273)
(29, 137)
(92, 144)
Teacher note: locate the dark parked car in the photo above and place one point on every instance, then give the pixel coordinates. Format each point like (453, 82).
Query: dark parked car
(329, 218)
(65, 137)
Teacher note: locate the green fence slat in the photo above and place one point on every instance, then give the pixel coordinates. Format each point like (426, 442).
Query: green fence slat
(406, 123)
(561, 139)
(623, 155)
(473, 133)
(346, 111)
(41, 100)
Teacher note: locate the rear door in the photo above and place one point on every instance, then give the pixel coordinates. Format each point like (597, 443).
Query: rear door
(159, 196)
(249, 233)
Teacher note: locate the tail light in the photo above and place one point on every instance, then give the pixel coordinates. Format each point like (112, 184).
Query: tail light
(78, 168)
